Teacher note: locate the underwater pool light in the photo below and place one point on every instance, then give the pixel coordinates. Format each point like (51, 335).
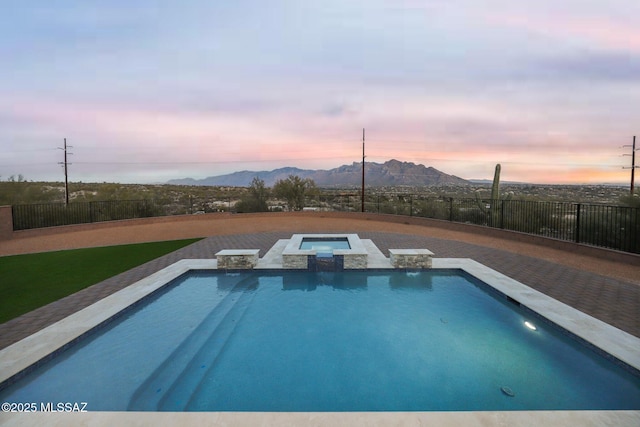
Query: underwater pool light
(530, 326)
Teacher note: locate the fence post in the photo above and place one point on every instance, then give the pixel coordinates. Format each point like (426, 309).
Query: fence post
(451, 209)
(578, 223)
(410, 205)
(635, 244)
(502, 214)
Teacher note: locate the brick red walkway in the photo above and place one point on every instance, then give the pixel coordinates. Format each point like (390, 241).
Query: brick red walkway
(615, 301)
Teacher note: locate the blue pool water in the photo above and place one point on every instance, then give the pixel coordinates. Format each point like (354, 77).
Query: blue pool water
(348, 341)
(324, 247)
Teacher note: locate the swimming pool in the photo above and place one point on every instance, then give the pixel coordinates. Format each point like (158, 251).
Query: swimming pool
(349, 341)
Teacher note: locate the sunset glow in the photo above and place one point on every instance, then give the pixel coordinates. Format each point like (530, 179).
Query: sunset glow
(148, 92)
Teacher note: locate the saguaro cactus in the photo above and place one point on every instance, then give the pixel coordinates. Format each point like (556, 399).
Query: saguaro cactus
(495, 188)
(492, 210)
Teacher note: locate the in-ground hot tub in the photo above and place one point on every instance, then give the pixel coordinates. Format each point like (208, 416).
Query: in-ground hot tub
(324, 246)
(313, 251)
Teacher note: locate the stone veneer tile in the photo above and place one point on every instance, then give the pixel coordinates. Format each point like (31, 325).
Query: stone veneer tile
(236, 259)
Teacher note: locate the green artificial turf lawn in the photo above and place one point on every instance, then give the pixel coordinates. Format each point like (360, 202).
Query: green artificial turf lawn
(31, 281)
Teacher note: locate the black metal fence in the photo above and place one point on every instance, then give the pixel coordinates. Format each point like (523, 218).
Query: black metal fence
(55, 214)
(614, 227)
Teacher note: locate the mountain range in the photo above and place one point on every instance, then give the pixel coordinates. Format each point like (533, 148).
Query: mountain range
(389, 173)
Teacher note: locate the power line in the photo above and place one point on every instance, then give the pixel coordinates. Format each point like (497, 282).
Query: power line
(405, 154)
(421, 159)
(29, 150)
(216, 162)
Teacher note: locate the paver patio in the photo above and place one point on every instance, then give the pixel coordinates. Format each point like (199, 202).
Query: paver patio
(614, 299)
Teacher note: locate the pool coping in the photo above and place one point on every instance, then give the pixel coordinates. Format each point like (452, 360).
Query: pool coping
(625, 347)
(330, 419)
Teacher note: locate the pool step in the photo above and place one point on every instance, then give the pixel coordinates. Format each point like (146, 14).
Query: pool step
(149, 394)
(179, 395)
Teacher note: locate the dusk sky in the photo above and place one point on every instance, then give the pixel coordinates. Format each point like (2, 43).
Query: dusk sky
(146, 91)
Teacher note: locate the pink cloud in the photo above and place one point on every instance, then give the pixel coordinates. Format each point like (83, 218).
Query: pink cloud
(109, 137)
(549, 175)
(120, 134)
(594, 30)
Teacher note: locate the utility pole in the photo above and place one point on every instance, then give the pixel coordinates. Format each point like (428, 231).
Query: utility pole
(66, 180)
(633, 162)
(362, 169)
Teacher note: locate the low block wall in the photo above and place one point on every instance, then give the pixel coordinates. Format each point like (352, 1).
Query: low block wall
(48, 231)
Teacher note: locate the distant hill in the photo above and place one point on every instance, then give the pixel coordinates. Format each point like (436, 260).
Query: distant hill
(390, 173)
(490, 182)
